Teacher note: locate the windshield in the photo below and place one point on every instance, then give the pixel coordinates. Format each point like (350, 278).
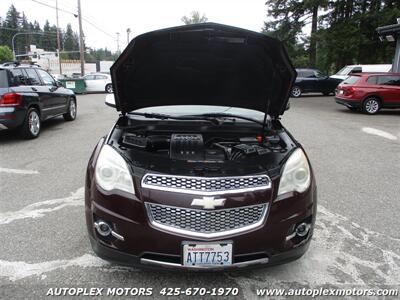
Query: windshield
(344, 71)
(351, 80)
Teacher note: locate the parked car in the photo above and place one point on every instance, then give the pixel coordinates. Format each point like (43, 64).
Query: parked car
(370, 92)
(98, 82)
(198, 171)
(346, 71)
(58, 76)
(313, 81)
(29, 96)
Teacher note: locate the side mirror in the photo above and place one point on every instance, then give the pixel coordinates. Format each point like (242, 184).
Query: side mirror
(110, 100)
(59, 84)
(287, 106)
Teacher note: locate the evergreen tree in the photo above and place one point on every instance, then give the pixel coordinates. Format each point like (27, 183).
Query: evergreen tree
(342, 31)
(71, 43)
(11, 24)
(194, 18)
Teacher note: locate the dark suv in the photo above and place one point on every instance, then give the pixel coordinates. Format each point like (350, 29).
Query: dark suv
(30, 95)
(313, 81)
(198, 172)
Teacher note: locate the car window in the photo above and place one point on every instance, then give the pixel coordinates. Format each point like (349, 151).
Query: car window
(18, 77)
(372, 79)
(309, 74)
(3, 79)
(319, 74)
(101, 77)
(389, 80)
(46, 77)
(89, 77)
(351, 80)
(356, 70)
(33, 77)
(300, 74)
(344, 71)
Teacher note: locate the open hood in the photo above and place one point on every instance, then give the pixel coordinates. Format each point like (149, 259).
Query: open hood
(203, 64)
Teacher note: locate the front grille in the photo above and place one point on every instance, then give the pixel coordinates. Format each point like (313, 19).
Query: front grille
(204, 223)
(206, 185)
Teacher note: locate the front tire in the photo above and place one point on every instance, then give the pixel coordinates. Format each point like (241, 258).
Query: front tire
(70, 115)
(31, 127)
(296, 92)
(371, 105)
(109, 88)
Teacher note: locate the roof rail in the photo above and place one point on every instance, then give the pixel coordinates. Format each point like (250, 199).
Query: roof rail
(9, 63)
(34, 64)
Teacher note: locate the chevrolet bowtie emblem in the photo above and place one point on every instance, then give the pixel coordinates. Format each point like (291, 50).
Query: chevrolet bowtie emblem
(208, 202)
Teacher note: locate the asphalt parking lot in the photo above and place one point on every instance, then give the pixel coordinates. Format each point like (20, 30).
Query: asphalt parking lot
(356, 242)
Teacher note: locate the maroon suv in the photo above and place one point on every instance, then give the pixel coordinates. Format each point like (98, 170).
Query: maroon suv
(370, 92)
(198, 171)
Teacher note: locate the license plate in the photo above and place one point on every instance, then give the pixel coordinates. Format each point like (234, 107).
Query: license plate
(207, 254)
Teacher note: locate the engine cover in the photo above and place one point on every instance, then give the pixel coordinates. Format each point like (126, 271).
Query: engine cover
(185, 146)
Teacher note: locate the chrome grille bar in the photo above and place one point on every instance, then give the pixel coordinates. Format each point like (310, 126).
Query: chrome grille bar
(206, 223)
(206, 185)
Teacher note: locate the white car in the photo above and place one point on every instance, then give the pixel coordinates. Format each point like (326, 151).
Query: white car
(347, 70)
(98, 82)
(58, 76)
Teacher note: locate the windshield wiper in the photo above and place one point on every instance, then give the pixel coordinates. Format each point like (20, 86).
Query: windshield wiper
(165, 117)
(233, 117)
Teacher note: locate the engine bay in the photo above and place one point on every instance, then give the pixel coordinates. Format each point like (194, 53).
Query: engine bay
(204, 147)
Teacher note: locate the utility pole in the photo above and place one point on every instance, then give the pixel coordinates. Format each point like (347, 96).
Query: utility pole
(58, 40)
(117, 42)
(81, 46)
(128, 31)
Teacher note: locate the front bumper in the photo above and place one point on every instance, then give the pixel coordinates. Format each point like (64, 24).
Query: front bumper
(126, 259)
(146, 246)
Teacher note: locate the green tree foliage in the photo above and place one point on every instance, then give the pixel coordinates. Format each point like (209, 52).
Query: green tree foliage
(94, 55)
(71, 42)
(5, 54)
(14, 22)
(194, 18)
(342, 31)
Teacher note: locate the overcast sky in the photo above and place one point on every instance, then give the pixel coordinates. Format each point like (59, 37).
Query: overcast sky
(111, 16)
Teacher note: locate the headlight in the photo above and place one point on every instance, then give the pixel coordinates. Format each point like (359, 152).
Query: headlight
(112, 172)
(296, 174)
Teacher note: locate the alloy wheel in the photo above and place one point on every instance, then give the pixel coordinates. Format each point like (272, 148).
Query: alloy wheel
(296, 92)
(34, 123)
(371, 106)
(72, 109)
(109, 88)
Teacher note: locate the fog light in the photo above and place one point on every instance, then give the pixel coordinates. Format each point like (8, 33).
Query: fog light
(302, 229)
(105, 230)
(102, 228)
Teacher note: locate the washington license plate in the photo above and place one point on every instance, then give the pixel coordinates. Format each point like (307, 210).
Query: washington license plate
(207, 254)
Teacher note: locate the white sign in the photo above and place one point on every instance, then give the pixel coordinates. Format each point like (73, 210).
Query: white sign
(70, 84)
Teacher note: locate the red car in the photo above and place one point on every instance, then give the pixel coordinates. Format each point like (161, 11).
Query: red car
(370, 92)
